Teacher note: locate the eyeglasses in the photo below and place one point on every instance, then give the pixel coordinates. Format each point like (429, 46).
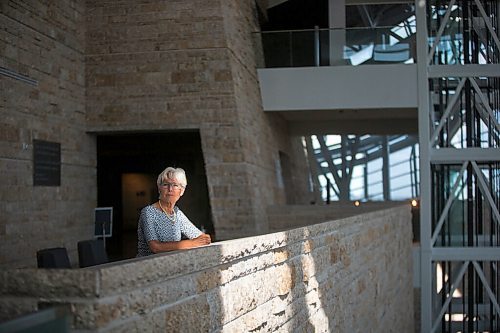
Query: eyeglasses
(171, 185)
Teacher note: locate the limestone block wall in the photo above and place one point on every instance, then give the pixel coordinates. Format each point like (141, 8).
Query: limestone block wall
(166, 65)
(283, 217)
(263, 135)
(345, 275)
(43, 41)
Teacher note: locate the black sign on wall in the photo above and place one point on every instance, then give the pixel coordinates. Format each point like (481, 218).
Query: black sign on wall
(46, 163)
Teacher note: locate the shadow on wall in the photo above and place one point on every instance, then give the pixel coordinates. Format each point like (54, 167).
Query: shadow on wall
(308, 279)
(344, 275)
(308, 313)
(275, 290)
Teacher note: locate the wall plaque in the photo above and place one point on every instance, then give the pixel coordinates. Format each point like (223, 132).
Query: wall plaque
(46, 163)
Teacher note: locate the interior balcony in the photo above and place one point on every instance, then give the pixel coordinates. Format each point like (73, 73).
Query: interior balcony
(342, 81)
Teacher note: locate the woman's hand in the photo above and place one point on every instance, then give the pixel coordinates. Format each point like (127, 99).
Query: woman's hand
(203, 239)
(157, 246)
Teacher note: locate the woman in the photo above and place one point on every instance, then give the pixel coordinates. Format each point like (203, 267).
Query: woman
(162, 224)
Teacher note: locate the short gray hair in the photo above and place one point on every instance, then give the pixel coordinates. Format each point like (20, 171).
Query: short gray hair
(172, 173)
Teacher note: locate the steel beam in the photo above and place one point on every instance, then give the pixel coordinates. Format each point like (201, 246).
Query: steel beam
(425, 170)
(465, 253)
(469, 70)
(457, 156)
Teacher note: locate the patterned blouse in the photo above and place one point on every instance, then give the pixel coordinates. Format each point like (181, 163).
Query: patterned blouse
(155, 225)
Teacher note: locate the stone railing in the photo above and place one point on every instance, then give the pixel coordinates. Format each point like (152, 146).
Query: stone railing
(347, 275)
(286, 217)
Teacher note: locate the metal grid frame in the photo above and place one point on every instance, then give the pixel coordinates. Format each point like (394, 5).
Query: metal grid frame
(470, 264)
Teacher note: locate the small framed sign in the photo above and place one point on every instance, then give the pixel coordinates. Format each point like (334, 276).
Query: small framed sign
(103, 219)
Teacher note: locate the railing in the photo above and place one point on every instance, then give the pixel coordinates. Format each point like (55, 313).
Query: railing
(287, 281)
(330, 47)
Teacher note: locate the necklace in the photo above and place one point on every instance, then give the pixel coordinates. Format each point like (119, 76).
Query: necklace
(171, 217)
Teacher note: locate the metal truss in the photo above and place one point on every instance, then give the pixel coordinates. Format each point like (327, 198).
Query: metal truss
(340, 160)
(458, 51)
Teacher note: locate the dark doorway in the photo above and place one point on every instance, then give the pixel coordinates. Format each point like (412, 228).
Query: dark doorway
(127, 168)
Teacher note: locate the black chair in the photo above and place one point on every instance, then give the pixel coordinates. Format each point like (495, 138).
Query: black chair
(56, 257)
(91, 252)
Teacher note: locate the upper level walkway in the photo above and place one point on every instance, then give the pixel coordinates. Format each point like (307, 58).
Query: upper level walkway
(373, 99)
(343, 81)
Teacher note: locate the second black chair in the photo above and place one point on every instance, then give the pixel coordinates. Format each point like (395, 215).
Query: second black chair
(56, 257)
(91, 252)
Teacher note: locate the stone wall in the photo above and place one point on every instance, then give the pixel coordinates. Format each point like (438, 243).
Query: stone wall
(263, 136)
(107, 66)
(284, 217)
(347, 275)
(43, 42)
(167, 65)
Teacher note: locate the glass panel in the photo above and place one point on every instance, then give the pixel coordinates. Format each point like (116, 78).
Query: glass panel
(330, 47)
